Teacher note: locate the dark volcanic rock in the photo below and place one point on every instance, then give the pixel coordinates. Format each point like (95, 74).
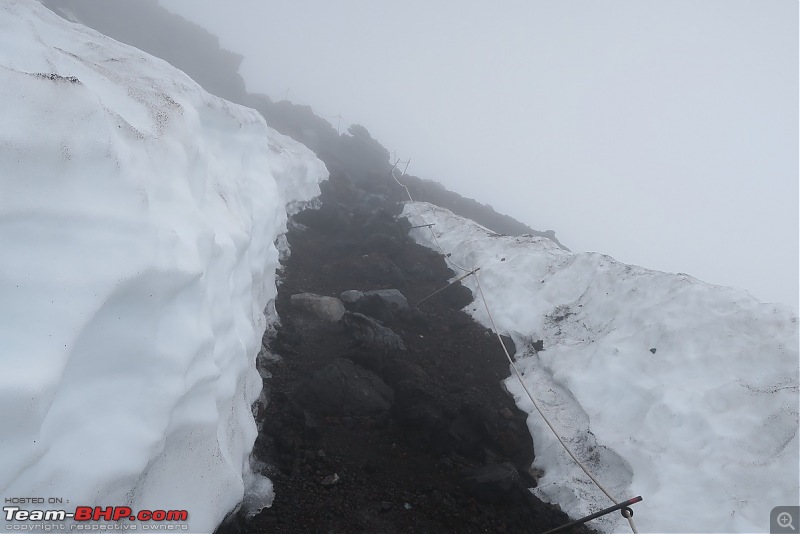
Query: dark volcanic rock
(416, 404)
(368, 332)
(418, 399)
(392, 297)
(399, 369)
(382, 304)
(374, 360)
(509, 343)
(343, 388)
(457, 296)
(492, 483)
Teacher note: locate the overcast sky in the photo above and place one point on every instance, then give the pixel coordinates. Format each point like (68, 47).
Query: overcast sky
(663, 133)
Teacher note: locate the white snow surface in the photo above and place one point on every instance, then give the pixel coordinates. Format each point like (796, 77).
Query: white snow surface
(705, 429)
(137, 220)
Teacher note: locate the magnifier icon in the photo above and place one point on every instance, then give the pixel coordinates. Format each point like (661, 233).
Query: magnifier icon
(785, 520)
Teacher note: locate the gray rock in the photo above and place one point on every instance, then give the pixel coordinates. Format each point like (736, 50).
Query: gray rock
(326, 308)
(380, 304)
(352, 295)
(390, 296)
(370, 333)
(330, 480)
(342, 388)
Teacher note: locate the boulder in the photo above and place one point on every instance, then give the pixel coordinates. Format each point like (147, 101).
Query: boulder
(342, 388)
(350, 296)
(392, 297)
(374, 360)
(328, 309)
(368, 332)
(381, 304)
(457, 296)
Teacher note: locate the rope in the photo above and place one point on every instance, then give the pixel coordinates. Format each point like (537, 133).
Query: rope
(628, 516)
(626, 513)
(429, 225)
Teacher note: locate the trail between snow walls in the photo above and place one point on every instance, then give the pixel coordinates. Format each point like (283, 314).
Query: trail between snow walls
(383, 417)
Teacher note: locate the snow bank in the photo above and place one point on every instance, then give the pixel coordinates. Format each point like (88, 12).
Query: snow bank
(137, 221)
(705, 428)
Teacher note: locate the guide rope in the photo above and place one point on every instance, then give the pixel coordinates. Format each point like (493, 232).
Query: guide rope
(429, 225)
(628, 516)
(626, 512)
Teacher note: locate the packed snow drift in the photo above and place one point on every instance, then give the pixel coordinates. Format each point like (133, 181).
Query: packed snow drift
(665, 386)
(137, 220)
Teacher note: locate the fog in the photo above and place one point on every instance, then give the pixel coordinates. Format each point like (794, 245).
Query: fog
(662, 133)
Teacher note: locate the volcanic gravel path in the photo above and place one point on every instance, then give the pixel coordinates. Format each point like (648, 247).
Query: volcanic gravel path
(404, 469)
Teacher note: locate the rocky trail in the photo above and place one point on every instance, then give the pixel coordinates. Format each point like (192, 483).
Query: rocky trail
(383, 417)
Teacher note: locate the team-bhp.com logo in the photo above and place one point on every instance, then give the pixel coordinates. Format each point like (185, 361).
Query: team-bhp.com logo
(89, 518)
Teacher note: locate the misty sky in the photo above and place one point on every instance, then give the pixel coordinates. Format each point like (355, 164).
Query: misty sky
(663, 133)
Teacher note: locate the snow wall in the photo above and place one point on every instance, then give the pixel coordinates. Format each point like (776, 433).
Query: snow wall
(704, 426)
(137, 220)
